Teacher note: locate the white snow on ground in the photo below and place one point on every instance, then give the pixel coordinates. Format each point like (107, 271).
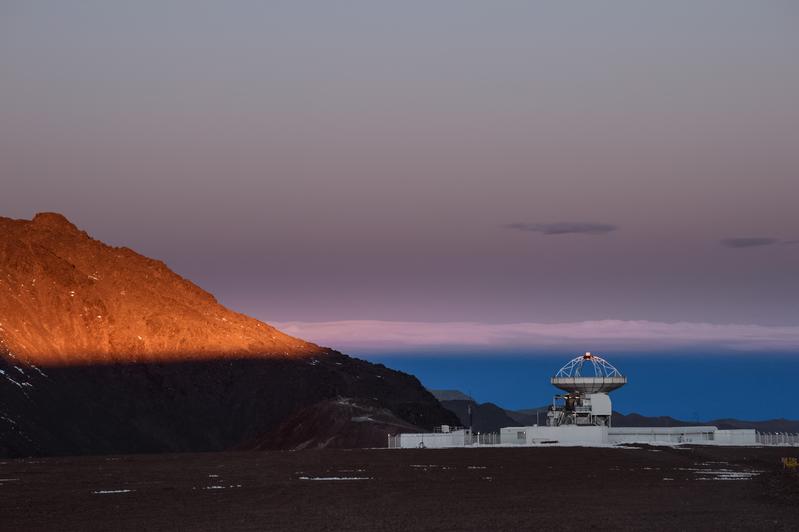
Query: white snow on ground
(335, 478)
(40, 372)
(475, 467)
(15, 382)
(107, 492)
(220, 487)
(725, 474)
(8, 479)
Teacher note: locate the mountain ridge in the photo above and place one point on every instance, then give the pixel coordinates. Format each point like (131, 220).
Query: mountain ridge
(103, 350)
(67, 298)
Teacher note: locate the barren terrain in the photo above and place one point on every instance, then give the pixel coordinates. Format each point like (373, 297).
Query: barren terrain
(459, 489)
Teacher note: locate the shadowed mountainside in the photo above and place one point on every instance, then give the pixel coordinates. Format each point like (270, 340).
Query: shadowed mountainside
(206, 405)
(103, 350)
(336, 423)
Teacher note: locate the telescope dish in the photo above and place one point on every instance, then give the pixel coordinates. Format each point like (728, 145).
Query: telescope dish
(588, 374)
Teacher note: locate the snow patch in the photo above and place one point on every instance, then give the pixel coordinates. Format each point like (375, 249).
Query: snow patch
(725, 474)
(335, 478)
(12, 380)
(108, 492)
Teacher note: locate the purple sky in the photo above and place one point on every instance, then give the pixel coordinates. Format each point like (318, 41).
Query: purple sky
(490, 162)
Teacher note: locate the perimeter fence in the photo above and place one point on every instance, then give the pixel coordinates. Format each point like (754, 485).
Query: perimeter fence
(778, 438)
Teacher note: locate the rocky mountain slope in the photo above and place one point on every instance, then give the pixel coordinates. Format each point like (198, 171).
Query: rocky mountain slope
(66, 298)
(334, 423)
(104, 350)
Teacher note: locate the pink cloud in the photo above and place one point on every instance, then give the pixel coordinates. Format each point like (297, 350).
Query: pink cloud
(604, 334)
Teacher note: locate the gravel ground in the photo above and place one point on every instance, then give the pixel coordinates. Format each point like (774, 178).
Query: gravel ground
(499, 489)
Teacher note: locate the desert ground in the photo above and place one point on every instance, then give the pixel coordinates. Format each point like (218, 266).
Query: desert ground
(496, 489)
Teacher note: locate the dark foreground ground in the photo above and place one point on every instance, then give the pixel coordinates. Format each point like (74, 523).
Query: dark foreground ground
(460, 489)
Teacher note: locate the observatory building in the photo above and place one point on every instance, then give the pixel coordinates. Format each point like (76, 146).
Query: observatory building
(581, 415)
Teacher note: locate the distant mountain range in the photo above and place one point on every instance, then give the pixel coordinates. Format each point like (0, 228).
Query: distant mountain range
(489, 417)
(103, 350)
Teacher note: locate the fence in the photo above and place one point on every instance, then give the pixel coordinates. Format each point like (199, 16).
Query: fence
(777, 438)
(489, 438)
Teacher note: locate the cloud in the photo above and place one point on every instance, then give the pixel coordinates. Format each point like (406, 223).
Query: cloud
(748, 242)
(587, 335)
(563, 228)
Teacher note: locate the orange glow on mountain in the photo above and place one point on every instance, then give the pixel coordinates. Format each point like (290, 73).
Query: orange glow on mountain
(66, 299)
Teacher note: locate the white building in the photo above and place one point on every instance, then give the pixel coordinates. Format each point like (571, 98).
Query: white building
(578, 435)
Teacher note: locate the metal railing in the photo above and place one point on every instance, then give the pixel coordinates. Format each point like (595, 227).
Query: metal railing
(489, 438)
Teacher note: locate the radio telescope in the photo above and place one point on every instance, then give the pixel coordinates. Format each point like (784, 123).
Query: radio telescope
(586, 379)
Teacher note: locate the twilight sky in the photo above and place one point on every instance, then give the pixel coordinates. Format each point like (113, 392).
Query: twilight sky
(424, 161)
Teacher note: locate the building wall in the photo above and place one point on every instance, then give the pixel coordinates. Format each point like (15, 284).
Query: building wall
(561, 434)
(736, 437)
(699, 434)
(585, 435)
(434, 440)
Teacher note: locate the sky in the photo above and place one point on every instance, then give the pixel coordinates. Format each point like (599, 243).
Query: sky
(435, 173)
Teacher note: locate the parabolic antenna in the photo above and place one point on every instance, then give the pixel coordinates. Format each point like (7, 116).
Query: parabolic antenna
(588, 374)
